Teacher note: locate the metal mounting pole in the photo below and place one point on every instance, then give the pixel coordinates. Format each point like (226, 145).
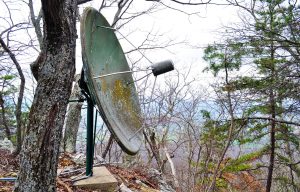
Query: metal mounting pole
(89, 126)
(89, 138)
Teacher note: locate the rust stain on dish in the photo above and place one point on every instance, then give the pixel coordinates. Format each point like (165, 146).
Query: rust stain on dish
(103, 85)
(121, 94)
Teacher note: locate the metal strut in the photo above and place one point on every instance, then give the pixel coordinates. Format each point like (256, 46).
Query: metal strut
(89, 131)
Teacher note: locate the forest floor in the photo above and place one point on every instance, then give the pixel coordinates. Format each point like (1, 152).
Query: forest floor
(135, 179)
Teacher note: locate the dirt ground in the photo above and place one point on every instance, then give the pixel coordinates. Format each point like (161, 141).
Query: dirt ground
(135, 179)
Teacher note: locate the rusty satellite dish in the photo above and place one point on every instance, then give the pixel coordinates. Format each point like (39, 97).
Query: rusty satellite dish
(115, 95)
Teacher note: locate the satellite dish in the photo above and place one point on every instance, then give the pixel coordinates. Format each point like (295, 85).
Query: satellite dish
(114, 95)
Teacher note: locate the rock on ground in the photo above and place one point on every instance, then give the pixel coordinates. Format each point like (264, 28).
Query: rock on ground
(6, 145)
(156, 175)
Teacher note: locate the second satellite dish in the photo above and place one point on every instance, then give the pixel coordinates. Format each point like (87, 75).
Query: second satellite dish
(115, 95)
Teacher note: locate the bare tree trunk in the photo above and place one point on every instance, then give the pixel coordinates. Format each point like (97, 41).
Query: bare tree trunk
(40, 150)
(153, 146)
(272, 144)
(230, 131)
(18, 111)
(173, 169)
(73, 119)
(273, 116)
(108, 146)
(5, 124)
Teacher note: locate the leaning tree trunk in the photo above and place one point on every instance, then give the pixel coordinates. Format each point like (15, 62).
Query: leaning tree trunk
(56, 68)
(18, 111)
(73, 119)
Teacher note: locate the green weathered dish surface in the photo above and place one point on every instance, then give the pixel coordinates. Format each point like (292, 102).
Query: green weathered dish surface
(117, 100)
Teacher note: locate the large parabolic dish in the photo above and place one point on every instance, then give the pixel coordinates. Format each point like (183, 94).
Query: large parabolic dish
(115, 95)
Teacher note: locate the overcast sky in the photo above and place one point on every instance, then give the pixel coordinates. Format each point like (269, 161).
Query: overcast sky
(197, 30)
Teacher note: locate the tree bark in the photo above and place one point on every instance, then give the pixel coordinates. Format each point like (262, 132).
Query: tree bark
(40, 150)
(73, 119)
